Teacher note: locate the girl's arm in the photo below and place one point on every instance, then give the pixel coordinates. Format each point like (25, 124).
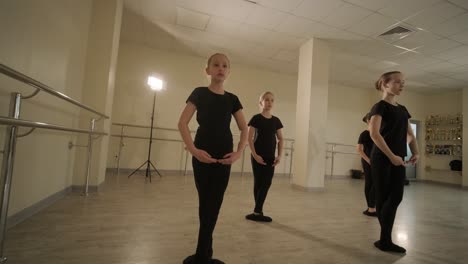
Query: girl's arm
(360, 150)
(251, 136)
(413, 144)
(279, 135)
(374, 129)
(184, 130)
(242, 125)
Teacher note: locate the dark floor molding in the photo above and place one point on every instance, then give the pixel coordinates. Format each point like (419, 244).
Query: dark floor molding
(178, 172)
(307, 189)
(339, 177)
(35, 208)
(91, 188)
(46, 202)
(446, 184)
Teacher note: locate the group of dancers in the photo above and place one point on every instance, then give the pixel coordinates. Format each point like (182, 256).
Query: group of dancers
(383, 150)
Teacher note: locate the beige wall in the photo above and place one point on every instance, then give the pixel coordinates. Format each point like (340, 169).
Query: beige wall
(46, 40)
(182, 73)
(346, 107)
(133, 99)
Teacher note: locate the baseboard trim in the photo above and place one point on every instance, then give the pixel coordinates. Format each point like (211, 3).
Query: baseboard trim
(91, 188)
(181, 172)
(453, 185)
(37, 207)
(307, 189)
(143, 171)
(339, 177)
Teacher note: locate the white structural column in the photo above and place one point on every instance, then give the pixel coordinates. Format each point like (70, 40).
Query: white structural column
(311, 115)
(98, 90)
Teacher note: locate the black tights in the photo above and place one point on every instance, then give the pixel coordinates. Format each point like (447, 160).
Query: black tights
(369, 189)
(211, 181)
(389, 184)
(263, 175)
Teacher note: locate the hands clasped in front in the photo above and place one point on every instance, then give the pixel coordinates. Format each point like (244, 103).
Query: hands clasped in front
(260, 160)
(398, 161)
(205, 157)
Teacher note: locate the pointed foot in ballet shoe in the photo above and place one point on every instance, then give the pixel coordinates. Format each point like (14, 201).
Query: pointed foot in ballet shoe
(252, 217)
(189, 260)
(396, 248)
(373, 214)
(258, 218)
(216, 261)
(389, 247)
(264, 218)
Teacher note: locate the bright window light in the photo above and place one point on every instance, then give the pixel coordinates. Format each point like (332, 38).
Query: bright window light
(155, 83)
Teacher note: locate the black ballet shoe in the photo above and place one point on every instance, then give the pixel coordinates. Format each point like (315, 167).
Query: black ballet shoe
(253, 217)
(396, 248)
(264, 218)
(258, 218)
(189, 260)
(389, 247)
(373, 214)
(194, 260)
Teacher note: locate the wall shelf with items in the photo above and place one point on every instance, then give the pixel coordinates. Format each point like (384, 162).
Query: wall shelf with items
(454, 150)
(444, 135)
(443, 120)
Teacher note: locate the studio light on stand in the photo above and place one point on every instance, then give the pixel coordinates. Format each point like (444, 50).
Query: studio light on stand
(156, 85)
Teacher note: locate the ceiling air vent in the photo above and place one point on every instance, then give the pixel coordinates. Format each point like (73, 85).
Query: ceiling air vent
(396, 30)
(396, 33)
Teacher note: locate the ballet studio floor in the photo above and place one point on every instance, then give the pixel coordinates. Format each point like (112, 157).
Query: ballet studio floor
(133, 222)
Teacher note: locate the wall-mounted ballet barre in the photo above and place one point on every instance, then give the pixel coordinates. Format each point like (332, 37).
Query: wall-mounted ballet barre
(333, 145)
(13, 122)
(122, 136)
(333, 152)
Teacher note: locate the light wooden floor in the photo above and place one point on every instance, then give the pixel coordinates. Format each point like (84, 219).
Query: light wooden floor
(136, 223)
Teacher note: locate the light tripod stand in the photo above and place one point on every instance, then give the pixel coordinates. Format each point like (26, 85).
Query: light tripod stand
(155, 85)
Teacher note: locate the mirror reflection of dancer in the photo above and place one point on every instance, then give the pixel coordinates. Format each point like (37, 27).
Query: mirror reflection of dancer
(264, 129)
(389, 129)
(212, 149)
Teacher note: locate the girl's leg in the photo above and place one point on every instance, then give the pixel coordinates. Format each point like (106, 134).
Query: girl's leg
(266, 177)
(369, 188)
(211, 182)
(389, 192)
(380, 170)
(256, 169)
(390, 206)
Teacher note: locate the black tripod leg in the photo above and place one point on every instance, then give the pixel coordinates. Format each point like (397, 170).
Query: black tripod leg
(148, 171)
(137, 169)
(154, 167)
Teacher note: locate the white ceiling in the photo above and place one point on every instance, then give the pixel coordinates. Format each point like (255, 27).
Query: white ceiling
(268, 34)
